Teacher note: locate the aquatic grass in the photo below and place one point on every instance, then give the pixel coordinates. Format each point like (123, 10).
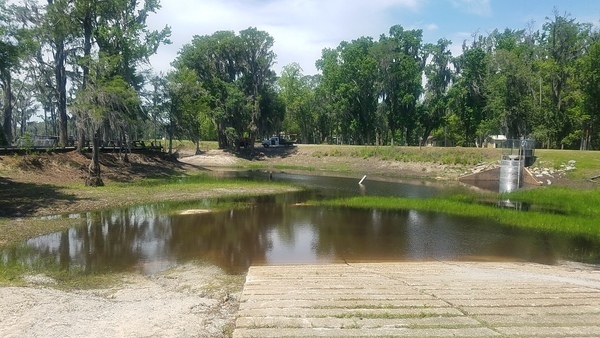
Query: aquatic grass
(578, 221)
(567, 200)
(293, 167)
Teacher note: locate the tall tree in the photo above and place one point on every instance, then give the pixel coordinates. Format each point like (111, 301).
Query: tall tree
(11, 50)
(124, 43)
(58, 30)
(298, 96)
(589, 75)
(257, 58)
(564, 41)
(335, 119)
(189, 104)
(235, 73)
(510, 83)
(467, 95)
(439, 77)
(349, 73)
(403, 79)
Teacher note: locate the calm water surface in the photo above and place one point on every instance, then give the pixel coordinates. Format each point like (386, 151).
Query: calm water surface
(280, 230)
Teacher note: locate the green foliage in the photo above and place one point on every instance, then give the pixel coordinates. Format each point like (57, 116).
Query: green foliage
(25, 142)
(563, 211)
(516, 82)
(234, 72)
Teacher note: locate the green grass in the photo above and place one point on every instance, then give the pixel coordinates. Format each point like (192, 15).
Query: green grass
(557, 210)
(446, 156)
(194, 184)
(586, 162)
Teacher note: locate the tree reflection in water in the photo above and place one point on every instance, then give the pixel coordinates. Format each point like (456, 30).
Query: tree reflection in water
(280, 230)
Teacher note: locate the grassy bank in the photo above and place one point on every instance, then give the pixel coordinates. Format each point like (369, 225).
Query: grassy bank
(350, 158)
(174, 192)
(553, 209)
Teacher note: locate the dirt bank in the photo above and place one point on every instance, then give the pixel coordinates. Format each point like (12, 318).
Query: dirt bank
(186, 301)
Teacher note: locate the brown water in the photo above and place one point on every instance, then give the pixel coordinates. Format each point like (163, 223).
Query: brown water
(280, 230)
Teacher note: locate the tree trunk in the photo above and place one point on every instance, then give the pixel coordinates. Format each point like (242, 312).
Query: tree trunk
(94, 179)
(87, 51)
(61, 88)
(7, 108)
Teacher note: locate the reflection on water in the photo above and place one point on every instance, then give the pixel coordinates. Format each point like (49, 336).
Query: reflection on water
(279, 230)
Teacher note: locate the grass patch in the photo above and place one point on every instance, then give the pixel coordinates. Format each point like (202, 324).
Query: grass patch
(389, 315)
(444, 156)
(586, 162)
(264, 166)
(578, 215)
(13, 272)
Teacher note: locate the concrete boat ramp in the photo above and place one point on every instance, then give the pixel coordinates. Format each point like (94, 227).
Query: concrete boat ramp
(420, 299)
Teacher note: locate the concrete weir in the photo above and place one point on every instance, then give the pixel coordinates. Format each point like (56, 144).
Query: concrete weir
(420, 299)
(492, 176)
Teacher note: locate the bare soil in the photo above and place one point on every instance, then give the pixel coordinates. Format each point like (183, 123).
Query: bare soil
(190, 300)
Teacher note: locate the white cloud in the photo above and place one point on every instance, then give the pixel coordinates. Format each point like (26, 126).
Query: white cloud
(431, 27)
(477, 7)
(301, 28)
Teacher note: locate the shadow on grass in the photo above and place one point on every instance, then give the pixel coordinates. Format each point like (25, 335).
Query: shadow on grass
(19, 199)
(146, 165)
(259, 153)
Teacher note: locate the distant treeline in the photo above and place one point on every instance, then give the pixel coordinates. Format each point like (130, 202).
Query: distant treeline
(80, 68)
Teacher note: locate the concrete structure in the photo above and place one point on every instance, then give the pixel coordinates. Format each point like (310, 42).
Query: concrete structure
(420, 299)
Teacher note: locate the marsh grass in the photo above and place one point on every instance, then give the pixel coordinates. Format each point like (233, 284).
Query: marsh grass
(578, 215)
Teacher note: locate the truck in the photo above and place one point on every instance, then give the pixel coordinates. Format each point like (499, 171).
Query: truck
(276, 141)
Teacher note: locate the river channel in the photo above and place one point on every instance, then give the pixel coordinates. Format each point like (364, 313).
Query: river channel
(281, 229)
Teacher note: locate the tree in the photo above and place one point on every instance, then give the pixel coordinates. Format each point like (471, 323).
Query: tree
(510, 83)
(235, 74)
(439, 77)
(104, 100)
(58, 30)
(564, 41)
(12, 49)
(349, 73)
(333, 122)
(589, 75)
(109, 101)
(256, 58)
(298, 95)
(467, 95)
(401, 66)
(188, 104)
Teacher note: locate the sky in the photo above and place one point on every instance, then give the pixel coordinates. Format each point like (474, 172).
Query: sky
(303, 28)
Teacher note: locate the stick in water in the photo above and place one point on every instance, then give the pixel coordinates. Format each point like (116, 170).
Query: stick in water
(362, 179)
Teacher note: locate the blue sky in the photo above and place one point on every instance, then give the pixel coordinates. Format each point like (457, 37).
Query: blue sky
(302, 28)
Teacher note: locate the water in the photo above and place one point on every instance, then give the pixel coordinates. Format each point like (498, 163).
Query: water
(281, 230)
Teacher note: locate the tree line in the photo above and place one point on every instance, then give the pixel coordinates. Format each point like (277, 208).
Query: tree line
(399, 90)
(82, 67)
